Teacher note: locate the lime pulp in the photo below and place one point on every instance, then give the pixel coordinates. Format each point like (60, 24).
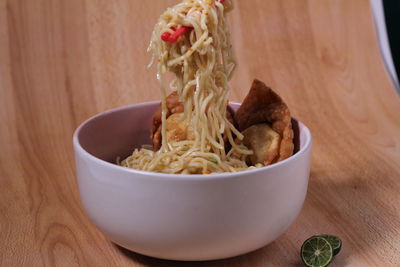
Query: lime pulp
(316, 252)
(334, 241)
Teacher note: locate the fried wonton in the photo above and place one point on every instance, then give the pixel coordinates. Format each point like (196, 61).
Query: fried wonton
(178, 129)
(173, 106)
(264, 106)
(175, 130)
(264, 142)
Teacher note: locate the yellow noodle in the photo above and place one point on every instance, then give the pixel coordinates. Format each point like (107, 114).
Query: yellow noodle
(203, 63)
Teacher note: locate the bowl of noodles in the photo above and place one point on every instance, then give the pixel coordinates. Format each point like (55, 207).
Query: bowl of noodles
(183, 216)
(193, 176)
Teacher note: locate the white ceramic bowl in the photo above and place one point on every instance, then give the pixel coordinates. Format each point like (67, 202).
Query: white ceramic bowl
(182, 217)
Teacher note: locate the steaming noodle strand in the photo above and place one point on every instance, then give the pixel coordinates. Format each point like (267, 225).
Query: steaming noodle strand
(203, 63)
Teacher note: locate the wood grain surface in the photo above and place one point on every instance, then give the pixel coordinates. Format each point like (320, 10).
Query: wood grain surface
(62, 61)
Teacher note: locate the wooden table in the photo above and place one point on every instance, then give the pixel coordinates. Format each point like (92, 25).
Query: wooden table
(62, 61)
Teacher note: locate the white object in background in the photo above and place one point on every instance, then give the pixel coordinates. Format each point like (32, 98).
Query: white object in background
(379, 15)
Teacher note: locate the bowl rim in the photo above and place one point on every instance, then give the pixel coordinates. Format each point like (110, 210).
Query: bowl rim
(79, 149)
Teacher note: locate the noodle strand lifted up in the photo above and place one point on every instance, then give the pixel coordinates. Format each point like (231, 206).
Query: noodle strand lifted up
(202, 62)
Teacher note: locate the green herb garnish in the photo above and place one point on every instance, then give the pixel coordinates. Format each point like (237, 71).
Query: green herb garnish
(214, 161)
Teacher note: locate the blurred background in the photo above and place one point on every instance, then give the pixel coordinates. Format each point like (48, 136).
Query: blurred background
(387, 21)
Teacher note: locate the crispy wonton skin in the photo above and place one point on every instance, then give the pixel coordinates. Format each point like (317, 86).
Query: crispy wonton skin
(264, 142)
(174, 106)
(177, 129)
(262, 105)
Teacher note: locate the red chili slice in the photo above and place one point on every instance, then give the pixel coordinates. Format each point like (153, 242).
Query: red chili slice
(174, 37)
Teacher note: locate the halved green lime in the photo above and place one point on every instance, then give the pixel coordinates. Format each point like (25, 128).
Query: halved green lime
(316, 252)
(334, 241)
